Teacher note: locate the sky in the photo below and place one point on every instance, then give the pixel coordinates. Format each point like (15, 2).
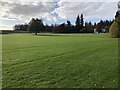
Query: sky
(54, 11)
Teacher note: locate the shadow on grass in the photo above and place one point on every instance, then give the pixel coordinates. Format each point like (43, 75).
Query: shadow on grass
(48, 35)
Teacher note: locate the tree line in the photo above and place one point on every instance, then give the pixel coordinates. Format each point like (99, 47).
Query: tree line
(37, 26)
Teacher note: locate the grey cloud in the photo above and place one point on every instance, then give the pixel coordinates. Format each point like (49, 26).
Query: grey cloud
(27, 9)
(30, 9)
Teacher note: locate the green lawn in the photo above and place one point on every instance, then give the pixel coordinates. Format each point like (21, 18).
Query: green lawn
(60, 61)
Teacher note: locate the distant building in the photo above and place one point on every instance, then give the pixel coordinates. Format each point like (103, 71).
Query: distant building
(22, 27)
(6, 31)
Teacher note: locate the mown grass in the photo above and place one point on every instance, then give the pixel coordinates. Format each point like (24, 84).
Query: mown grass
(60, 61)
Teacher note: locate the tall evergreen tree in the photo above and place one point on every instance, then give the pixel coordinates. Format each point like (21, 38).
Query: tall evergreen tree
(77, 23)
(82, 21)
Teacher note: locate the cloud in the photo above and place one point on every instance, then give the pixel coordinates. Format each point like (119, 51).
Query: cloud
(91, 10)
(55, 11)
(5, 26)
(29, 9)
(26, 1)
(26, 10)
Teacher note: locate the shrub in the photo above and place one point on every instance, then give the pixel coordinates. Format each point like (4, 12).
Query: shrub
(114, 30)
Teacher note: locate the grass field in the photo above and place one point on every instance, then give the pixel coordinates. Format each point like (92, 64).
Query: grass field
(60, 61)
